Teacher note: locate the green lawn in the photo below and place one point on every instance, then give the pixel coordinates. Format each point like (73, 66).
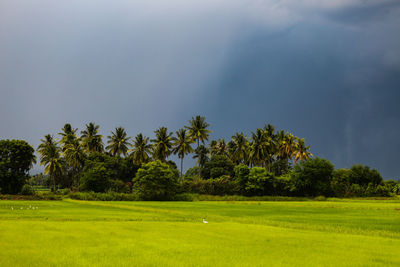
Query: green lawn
(90, 233)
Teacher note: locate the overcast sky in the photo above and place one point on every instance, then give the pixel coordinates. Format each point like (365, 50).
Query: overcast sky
(326, 70)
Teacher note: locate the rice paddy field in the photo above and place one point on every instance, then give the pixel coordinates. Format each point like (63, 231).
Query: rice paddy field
(307, 233)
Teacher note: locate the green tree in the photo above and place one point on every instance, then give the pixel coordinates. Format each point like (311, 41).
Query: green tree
(162, 144)
(74, 154)
(16, 158)
(198, 129)
(91, 139)
(141, 150)
(257, 148)
(182, 146)
(301, 151)
(156, 181)
(240, 146)
(201, 154)
(312, 177)
(68, 136)
(118, 142)
(50, 157)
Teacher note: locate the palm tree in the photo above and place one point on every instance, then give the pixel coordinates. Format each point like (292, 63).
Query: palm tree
(141, 149)
(286, 146)
(270, 144)
(240, 146)
(201, 154)
(118, 142)
(75, 156)
(92, 141)
(182, 146)
(257, 149)
(221, 147)
(162, 144)
(50, 158)
(68, 135)
(301, 151)
(198, 129)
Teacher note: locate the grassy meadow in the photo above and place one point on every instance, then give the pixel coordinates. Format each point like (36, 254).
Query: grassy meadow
(306, 233)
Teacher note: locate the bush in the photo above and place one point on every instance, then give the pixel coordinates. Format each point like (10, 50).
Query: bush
(260, 182)
(219, 186)
(242, 172)
(156, 181)
(312, 177)
(341, 184)
(109, 196)
(283, 185)
(216, 167)
(364, 176)
(95, 179)
(27, 190)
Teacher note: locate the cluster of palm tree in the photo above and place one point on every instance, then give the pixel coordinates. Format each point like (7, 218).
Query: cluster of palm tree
(70, 150)
(263, 147)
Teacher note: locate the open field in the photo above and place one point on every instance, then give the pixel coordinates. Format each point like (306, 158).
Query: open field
(309, 233)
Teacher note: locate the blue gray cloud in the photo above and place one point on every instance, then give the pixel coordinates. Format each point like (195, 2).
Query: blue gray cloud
(328, 70)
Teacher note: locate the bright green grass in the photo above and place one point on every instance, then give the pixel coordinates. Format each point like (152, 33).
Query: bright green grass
(89, 233)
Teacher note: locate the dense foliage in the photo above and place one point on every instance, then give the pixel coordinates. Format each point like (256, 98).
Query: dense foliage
(268, 163)
(16, 158)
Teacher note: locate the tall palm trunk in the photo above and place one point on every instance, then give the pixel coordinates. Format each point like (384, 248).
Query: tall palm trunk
(181, 169)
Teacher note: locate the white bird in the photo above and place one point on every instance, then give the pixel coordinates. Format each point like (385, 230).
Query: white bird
(204, 221)
(12, 208)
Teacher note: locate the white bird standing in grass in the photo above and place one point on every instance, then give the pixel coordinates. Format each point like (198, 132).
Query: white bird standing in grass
(204, 221)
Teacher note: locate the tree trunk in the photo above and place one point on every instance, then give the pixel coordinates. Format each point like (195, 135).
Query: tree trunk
(181, 169)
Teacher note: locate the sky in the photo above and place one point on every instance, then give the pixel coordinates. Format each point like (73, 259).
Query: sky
(325, 70)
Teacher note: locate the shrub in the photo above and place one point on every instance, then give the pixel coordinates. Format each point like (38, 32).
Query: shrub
(283, 185)
(217, 166)
(109, 196)
(27, 190)
(219, 186)
(260, 182)
(95, 179)
(312, 177)
(364, 176)
(156, 181)
(242, 172)
(340, 184)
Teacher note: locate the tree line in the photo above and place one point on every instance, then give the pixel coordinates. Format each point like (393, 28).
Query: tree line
(268, 162)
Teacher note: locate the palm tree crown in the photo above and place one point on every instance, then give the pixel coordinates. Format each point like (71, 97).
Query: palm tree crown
(162, 144)
(141, 149)
(182, 145)
(118, 142)
(198, 129)
(92, 141)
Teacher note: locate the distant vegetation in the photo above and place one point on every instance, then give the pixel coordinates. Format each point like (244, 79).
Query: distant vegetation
(268, 163)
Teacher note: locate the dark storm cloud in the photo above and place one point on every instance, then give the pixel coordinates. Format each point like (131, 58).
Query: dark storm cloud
(325, 70)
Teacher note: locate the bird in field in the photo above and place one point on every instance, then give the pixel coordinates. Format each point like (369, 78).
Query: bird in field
(204, 221)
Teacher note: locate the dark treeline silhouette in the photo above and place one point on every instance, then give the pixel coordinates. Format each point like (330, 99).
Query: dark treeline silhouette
(268, 162)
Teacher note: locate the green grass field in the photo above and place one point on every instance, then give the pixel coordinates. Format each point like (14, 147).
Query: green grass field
(309, 233)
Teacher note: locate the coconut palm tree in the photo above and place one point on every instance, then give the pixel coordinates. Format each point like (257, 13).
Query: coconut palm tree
(92, 141)
(257, 148)
(221, 147)
(240, 146)
(301, 151)
(75, 157)
(68, 135)
(182, 146)
(198, 129)
(286, 147)
(50, 157)
(118, 142)
(201, 154)
(141, 149)
(270, 144)
(162, 144)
